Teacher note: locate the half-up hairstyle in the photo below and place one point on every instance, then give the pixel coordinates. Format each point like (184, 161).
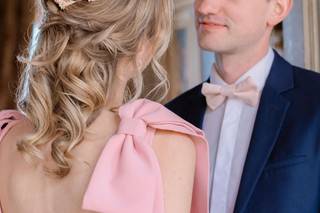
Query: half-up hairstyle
(69, 66)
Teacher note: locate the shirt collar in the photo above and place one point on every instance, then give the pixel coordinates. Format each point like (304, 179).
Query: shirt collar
(259, 72)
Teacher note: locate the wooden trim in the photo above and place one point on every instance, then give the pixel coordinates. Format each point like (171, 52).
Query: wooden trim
(15, 18)
(8, 52)
(311, 16)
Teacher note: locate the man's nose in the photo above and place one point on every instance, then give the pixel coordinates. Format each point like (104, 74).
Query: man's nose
(205, 7)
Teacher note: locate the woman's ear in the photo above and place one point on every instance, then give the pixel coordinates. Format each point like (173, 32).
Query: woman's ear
(280, 9)
(129, 67)
(144, 54)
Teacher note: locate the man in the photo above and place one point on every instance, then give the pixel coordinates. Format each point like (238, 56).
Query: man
(261, 115)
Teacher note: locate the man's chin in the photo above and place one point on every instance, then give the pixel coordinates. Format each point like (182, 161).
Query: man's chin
(211, 43)
(212, 47)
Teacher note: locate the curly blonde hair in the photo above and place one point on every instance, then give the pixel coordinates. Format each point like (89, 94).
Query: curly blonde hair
(69, 66)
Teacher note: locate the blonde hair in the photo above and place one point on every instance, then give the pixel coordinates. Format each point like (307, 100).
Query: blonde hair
(68, 70)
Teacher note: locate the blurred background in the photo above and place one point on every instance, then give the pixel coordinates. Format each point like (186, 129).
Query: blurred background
(297, 39)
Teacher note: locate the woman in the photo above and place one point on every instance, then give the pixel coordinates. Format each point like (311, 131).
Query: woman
(82, 141)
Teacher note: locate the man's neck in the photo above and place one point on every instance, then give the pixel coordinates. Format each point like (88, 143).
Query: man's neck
(231, 67)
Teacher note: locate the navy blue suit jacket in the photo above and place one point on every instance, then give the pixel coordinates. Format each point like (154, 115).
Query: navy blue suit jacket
(282, 168)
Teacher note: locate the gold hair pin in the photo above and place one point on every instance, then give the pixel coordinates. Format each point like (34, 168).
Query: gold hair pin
(65, 3)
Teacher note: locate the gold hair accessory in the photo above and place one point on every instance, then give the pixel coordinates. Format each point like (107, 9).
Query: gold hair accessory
(65, 3)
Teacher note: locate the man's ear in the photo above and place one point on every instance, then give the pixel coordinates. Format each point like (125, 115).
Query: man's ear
(279, 10)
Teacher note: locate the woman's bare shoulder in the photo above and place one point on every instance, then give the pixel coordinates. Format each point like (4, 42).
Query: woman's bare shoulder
(176, 154)
(8, 143)
(18, 131)
(174, 144)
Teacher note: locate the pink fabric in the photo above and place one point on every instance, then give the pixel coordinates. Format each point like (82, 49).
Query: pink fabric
(127, 175)
(245, 90)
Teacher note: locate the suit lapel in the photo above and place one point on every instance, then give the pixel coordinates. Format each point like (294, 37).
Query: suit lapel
(270, 117)
(197, 107)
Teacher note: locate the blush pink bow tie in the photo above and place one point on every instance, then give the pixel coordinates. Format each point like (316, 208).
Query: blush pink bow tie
(246, 90)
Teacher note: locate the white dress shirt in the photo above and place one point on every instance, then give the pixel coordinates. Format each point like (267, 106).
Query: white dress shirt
(228, 130)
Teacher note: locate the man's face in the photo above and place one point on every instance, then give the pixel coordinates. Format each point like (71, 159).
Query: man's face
(228, 26)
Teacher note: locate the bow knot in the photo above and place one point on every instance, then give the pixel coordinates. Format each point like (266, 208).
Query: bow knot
(216, 95)
(132, 126)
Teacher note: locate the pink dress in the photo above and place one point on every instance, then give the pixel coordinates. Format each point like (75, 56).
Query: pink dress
(127, 175)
